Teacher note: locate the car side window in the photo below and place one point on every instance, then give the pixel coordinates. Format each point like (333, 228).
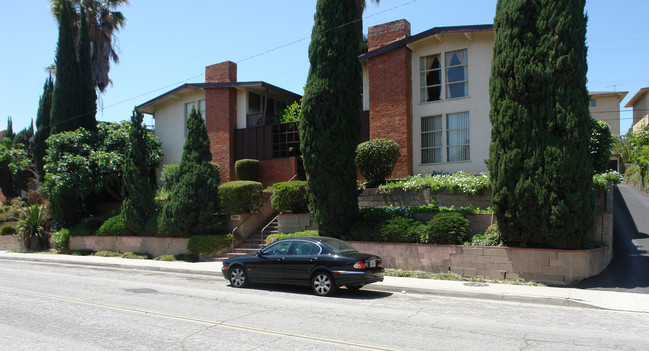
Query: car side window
(277, 249)
(304, 248)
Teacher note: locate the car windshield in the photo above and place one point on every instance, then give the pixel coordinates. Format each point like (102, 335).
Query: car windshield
(339, 246)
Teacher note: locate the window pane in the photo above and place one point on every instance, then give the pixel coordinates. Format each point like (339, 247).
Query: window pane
(431, 155)
(254, 103)
(457, 120)
(458, 137)
(201, 106)
(429, 124)
(457, 74)
(430, 78)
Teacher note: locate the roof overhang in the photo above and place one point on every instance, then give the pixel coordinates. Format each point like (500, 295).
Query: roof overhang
(641, 93)
(433, 32)
(150, 106)
(619, 94)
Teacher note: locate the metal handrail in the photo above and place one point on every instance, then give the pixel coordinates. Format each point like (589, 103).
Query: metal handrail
(250, 215)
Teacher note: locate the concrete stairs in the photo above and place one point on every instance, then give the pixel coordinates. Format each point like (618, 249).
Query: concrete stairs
(251, 244)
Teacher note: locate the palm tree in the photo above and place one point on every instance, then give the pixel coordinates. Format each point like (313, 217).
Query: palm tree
(103, 23)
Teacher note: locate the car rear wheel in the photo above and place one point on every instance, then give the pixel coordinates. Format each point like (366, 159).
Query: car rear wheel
(238, 277)
(323, 284)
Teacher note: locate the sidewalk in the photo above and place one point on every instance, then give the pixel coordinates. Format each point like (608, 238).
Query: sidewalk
(620, 301)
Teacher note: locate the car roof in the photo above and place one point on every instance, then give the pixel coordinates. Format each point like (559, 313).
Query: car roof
(310, 238)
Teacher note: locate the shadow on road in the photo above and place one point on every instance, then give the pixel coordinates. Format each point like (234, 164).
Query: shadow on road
(629, 269)
(342, 293)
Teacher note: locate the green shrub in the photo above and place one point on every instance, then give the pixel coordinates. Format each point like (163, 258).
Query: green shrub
(165, 258)
(240, 196)
(106, 253)
(363, 231)
(113, 226)
(169, 175)
(61, 240)
(376, 159)
(88, 227)
(247, 169)
(293, 196)
(446, 228)
(401, 230)
(274, 237)
(7, 229)
(491, 237)
(208, 244)
(135, 256)
(151, 226)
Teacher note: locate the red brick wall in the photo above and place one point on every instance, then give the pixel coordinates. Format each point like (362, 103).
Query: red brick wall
(223, 72)
(390, 89)
(221, 121)
(387, 33)
(277, 170)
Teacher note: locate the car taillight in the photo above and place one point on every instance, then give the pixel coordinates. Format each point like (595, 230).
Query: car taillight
(359, 265)
(380, 262)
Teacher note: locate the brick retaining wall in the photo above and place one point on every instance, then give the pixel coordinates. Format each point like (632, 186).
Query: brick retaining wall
(9, 242)
(151, 245)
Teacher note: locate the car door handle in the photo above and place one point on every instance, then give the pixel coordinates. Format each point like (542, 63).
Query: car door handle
(280, 259)
(314, 259)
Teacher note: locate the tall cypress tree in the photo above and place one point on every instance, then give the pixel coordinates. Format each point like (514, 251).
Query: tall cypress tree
(42, 126)
(65, 110)
(539, 160)
(193, 200)
(330, 124)
(9, 132)
(138, 204)
(87, 94)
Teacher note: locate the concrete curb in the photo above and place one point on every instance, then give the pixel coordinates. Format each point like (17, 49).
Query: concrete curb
(565, 297)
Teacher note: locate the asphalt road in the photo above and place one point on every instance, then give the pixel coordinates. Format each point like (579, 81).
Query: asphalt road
(64, 307)
(629, 269)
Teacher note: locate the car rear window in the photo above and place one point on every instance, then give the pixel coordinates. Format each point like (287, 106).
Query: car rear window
(339, 246)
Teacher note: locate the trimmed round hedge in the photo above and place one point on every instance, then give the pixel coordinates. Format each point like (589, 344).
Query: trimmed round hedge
(247, 169)
(376, 159)
(290, 196)
(240, 196)
(450, 228)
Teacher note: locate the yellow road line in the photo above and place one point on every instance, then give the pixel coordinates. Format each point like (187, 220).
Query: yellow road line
(202, 321)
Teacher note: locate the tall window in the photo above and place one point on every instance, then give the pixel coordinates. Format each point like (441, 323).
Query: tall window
(431, 139)
(445, 138)
(456, 76)
(200, 105)
(457, 137)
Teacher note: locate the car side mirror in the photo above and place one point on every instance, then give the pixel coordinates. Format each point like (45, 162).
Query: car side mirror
(259, 253)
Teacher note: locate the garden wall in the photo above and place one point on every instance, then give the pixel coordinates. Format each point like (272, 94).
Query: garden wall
(543, 265)
(9, 242)
(153, 246)
(445, 197)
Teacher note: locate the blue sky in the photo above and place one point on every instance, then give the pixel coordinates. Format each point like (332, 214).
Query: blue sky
(165, 44)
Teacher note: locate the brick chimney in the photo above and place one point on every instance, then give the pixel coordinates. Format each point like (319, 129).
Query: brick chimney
(224, 72)
(387, 33)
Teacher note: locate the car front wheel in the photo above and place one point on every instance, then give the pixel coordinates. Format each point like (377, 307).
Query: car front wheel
(238, 277)
(323, 284)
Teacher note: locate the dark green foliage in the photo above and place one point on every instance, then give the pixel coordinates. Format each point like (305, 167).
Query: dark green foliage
(601, 143)
(80, 164)
(9, 132)
(7, 229)
(539, 160)
(370, 221)
(86, 92)
(208, 244)
(448, 228)
(194, 199)
(89, 227)
(401, 230)
(274, 237)
(330, 120)
(290, 113)
(491, 237)
(290, 196)
(66, 109)
(114, 226)
(61, 240)
(240, 196)
(138, 204)
(170, 174)
(42, 127)
(376, 159)
(247, 169)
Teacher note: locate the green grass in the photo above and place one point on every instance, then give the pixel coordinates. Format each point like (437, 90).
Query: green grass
(135, 256)
(421, 274)
(165, 258)
(106, 253)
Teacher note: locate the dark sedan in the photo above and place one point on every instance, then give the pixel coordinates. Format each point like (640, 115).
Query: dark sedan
(322, 263)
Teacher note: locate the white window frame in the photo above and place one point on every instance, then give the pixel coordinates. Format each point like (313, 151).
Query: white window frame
(444, 149)
(443, 70)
